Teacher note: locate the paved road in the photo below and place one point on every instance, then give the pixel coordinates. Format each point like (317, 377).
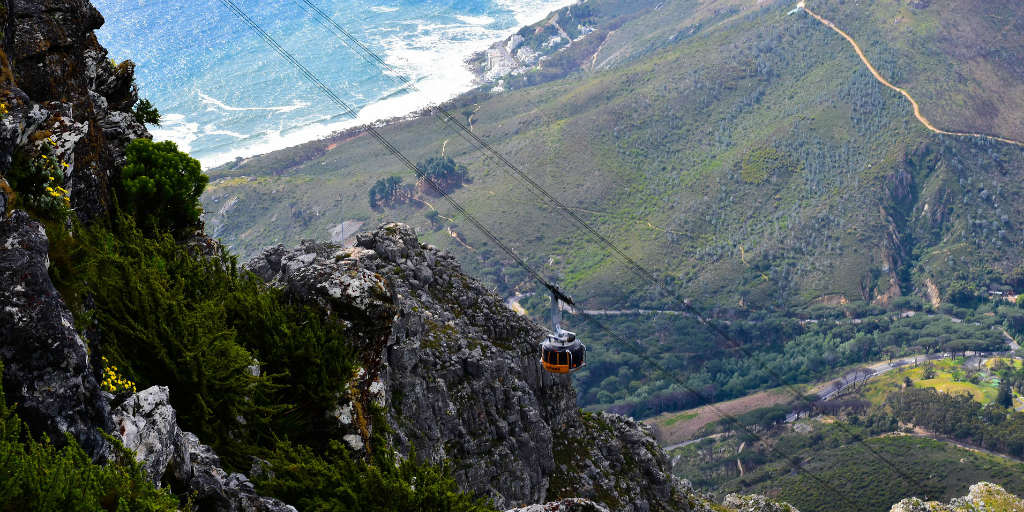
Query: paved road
(830, 390)
(691, 441)
(1010, 341)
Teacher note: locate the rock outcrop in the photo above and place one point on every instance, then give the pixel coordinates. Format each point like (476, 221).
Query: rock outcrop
(62, 86)
(755, 503)
(460, 379)
(566, 505)
(47, 366)
(56, 83)
(982, 496)
(148, 425)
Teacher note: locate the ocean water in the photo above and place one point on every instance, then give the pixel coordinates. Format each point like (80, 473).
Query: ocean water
(224, 93)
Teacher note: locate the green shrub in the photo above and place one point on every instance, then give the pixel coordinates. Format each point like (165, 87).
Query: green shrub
(443, 171)
(195, 324)
(160, 186)
(146, 113)
(336, 482)
(38, 181)
(310, 353)
(161, 326)
(35, 475)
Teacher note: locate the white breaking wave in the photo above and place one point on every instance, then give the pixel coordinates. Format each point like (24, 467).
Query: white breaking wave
(175, 128)
(531, 11)
(212, 129)
(296, 105)
(475, 20)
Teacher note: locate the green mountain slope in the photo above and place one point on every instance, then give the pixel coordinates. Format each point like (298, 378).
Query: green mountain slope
(743, 155)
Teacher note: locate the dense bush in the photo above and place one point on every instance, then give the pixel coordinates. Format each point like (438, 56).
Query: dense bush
(442, 171)
(958, 415)
(164, 320)
(35, 475)
(146, 113)
(201, 326)
(38, 182)
(386, 192)
(160, 186)
(782, 346)
(335, 482)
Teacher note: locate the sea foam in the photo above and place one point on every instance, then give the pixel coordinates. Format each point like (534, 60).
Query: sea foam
(241, 98)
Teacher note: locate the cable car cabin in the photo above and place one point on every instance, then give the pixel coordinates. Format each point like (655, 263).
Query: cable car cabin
(563, 357)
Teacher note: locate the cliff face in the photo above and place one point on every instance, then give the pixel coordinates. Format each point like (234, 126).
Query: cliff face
(56, 83)
(460, 378)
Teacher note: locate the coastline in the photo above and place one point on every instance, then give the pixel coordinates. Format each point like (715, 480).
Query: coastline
(397, 106)
(336, 136)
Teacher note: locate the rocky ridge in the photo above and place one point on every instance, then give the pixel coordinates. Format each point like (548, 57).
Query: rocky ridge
(459, 378)
(983, 496)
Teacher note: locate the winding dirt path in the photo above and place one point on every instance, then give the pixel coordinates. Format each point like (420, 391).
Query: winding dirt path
(880, 78)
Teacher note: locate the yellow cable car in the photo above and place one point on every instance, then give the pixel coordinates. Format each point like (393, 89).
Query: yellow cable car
(562, 352)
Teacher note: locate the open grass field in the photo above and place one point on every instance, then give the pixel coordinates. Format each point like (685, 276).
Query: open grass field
(671, 428)
(984, 391)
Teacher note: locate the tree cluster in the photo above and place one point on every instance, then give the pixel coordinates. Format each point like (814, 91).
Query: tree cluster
(387, 192)
(442, 171)
(959, 416)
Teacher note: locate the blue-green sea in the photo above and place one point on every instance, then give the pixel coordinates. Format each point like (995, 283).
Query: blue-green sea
(225, 93)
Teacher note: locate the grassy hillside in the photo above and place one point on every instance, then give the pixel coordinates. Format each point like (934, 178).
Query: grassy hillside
(858, 478)
(743, 155)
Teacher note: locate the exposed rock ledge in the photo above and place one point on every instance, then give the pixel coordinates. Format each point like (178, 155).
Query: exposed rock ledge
(460, 379)
(148, 425)
(983, 496)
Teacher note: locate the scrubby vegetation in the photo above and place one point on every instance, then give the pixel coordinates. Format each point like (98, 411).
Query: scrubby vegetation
(854, 462)
(799, 345)
(160, 186)
(36, 475)
(334, 481)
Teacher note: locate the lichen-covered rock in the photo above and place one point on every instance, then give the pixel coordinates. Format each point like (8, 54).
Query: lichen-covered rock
(462, 382)
(46, 363)
(148, 425)
(600, 456)
(983, 497)
(566, 505)
(66, 88)
(755, 503)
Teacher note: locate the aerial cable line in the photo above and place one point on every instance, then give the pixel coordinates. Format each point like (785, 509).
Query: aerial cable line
(383, 141)
(558, 294)
(636, 268)
(554, 289)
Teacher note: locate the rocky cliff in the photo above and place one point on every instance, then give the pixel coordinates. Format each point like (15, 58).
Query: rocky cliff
(460, 379)
(56, 83)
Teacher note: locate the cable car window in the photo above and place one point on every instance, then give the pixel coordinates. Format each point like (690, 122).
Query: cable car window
(563, 358)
